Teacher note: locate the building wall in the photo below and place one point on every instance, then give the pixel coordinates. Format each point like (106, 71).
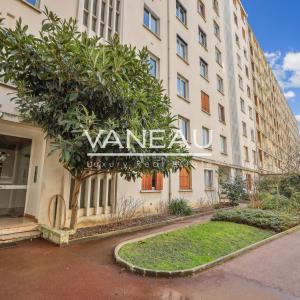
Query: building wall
(258, 86)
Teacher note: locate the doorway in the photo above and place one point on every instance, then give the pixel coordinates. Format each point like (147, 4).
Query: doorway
(14, 168)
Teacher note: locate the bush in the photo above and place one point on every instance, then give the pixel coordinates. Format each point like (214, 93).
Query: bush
(179, 207)
(235, 191)
(289, 185)
(279, 203)
(296, 197)
(268, 184)
(273, 220)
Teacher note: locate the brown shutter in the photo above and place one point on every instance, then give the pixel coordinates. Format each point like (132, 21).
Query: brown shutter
(184, 179)
(147, 182)
(205, 102)
(159, 181)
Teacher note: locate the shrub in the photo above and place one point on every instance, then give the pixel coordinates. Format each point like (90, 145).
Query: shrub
(179, 207)
(268, 184)
(273, 220)
(289, 185)
(296, 197)
(235, 191)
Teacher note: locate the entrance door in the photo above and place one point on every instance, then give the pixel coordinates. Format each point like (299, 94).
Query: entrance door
(14, 167)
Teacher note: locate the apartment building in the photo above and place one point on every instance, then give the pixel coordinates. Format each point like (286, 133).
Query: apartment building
(216, 77)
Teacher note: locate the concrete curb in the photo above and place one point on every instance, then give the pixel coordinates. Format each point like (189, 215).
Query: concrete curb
(195, 270)
(144, 227)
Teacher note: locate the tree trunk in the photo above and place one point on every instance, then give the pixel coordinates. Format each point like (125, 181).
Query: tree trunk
(74, 203)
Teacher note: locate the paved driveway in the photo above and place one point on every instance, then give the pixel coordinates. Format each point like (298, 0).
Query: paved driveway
(39, 270)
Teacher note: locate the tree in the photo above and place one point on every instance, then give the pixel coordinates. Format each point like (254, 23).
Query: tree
(235, 190)
(67, 82)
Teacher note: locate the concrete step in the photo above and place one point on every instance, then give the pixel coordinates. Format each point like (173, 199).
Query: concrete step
(20, 236)
(18, 229)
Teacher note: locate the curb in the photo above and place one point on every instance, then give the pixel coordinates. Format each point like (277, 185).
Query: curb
(195, 270)
(143, 227)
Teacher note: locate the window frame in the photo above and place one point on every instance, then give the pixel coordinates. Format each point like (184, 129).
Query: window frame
(179, 4)
(185, 187)
(187, 134)
(205, 102)
(152, 16)
(220, 84)
(219, 58)
(202, 36)
(202, 12)
(209, 185)
(204, 63)
(223, 144)
(181, 44)
(156, 60)
(221, 113)
(186, 87)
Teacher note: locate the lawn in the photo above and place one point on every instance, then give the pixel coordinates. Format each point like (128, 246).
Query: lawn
(192, 246)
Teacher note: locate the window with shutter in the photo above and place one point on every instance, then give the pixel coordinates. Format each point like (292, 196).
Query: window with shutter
(152, 182)
(205, 102)
(185, 179)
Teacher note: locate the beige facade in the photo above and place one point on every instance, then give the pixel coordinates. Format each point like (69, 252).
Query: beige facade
(214, 73)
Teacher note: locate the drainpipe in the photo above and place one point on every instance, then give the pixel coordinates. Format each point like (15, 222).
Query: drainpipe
(169, 64)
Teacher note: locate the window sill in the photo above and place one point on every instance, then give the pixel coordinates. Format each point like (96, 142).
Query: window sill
(186, 27)
(223, 122)
(218, 38)
(37, 9)
(153, 33)
(206, 112)
(220, 65)
(203, 17)
(185, 191)
(204, 78)
(205, 48)
(222, 93)
(150, 192)
(225, 154)
(184, 60)
(184, 99)
(209, 189)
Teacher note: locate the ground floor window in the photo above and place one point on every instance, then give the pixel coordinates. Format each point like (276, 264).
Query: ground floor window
(185, 182)
(152, 182)
(209, 179)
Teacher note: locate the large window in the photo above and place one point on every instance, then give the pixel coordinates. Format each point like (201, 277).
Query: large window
(203, 68)
(201, 9)
(153, 66)
(218, 56)
(223, 144)
(208, 179)
(182, 87)
(221, 113)
(152, 182)
(185, 182)
(202, 38)
(181, 48)
(220, 84)
(151, 21)
(205, 102)
(180, 12)
(34, 2)
(184, 126)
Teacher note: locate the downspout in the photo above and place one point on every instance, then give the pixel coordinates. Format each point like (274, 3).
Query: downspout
(169, 90)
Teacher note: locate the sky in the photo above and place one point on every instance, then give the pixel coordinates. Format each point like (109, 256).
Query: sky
(276, 24)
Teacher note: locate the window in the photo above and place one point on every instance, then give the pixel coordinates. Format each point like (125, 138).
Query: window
(216, 6)
(241, 85)
(243, 106)
(247, 71)
(110, 18)
(221, 113)
(254, 157)
(248, 92)
(185, 182)
(94, 15)
(180, 12)
(251, 113)
(203, 68)
(252, 135)
(249, 182)
(181, 48)
(208, 179)
(85, 11)
(223, 144)
(237, 40)
(34, 2)
(202, 38)
(205, 136)
(217, 30)
(153, 66)
(218, 56)
(246, 154)
(118, 11)
(150, 21)
(103, 18)
(245, 54)
(182, 87)
(244, 129)
(201, 9)
(205, 102)
(220, 84)
(152, 182)
(244, 33)
(235, 19)
(184, 126)
(239, 60)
